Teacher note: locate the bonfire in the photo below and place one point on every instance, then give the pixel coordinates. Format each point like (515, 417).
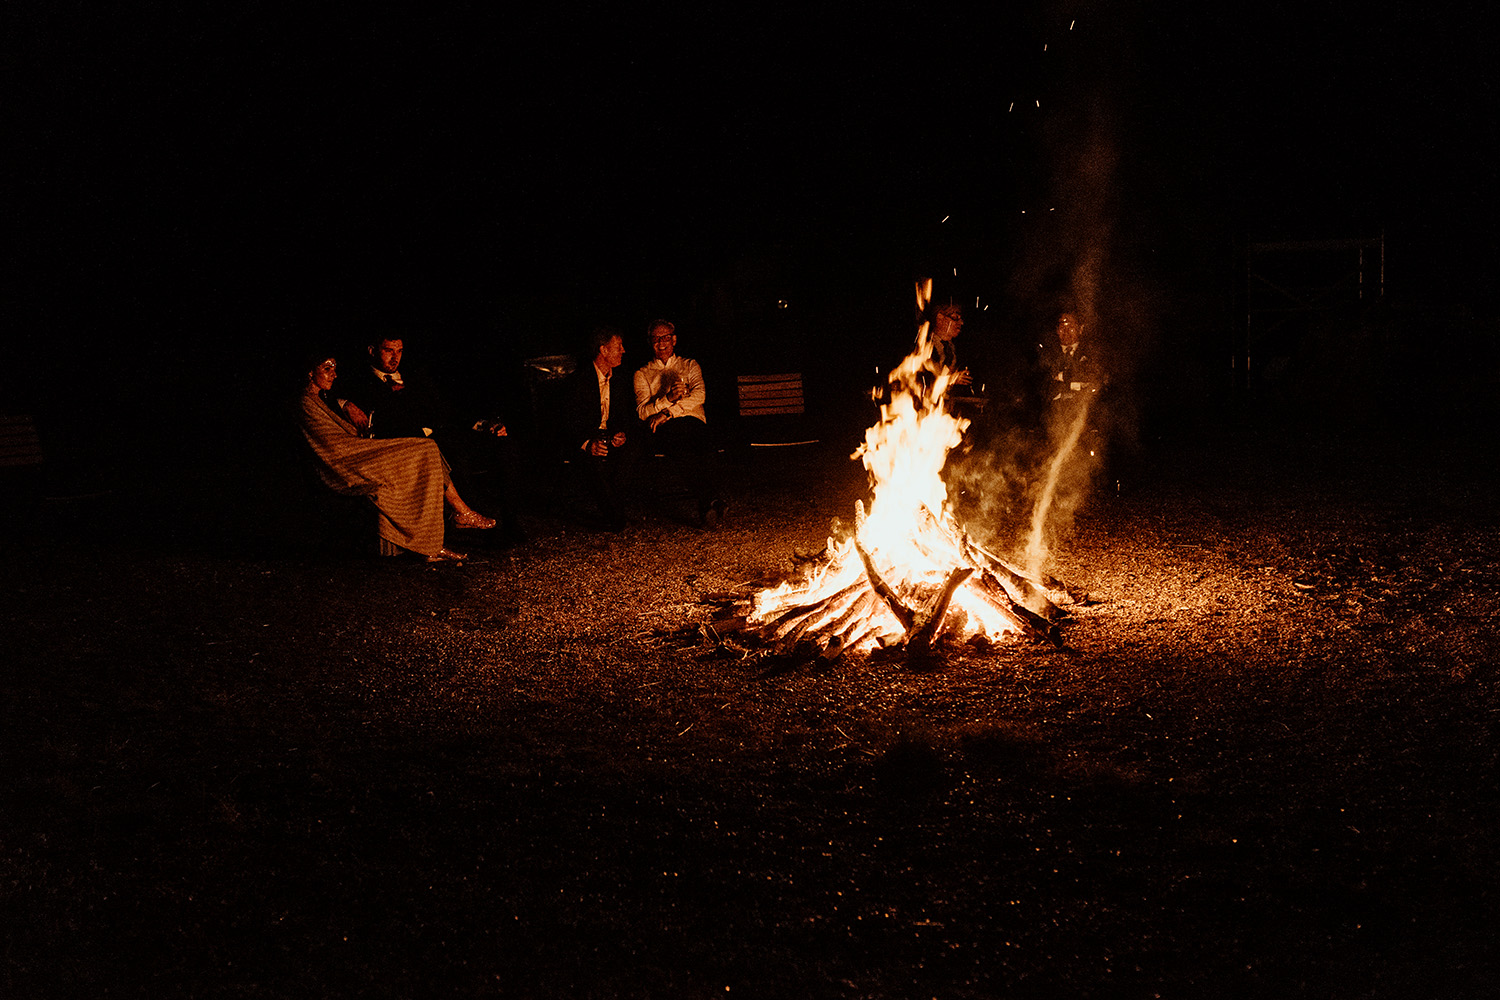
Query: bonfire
(905, 572)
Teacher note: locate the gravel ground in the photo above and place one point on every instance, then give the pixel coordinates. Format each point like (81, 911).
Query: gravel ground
(243, 762)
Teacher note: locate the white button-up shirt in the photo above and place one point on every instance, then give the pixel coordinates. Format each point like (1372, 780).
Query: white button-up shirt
(655, 379)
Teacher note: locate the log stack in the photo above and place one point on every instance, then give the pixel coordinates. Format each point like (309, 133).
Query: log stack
(851, 614)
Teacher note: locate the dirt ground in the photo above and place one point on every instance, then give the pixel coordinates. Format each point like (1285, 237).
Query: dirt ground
(242, 763)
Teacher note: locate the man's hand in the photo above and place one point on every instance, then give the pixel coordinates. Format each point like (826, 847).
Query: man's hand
(494, 427)
(657, 419)
(677, 391)
(599, 449)
(962, 377)
(618, 440)
(359, 418)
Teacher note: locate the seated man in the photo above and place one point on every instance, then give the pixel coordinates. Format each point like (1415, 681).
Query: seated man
(595, 420)
(948, 323)
(1073, 374)
(385, 402)
(669, 396)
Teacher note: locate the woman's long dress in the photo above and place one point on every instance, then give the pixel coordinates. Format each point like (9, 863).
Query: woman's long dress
(405, 477)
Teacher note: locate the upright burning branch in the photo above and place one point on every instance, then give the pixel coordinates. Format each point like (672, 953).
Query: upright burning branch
(904, 614)
(919, 637)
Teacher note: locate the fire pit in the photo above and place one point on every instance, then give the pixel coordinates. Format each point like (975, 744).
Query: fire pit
(905, 572)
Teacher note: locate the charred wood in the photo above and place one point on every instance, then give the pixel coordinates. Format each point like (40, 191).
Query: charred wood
(898, 607)
(1025, 621)
(926, 630)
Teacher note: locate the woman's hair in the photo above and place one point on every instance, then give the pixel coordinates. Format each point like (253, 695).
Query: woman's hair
(312, 359)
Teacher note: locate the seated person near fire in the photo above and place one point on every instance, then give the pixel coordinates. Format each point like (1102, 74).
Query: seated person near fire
(385, 402)
(1072, 373)
(942, 357)
(948, 323)
(598, 423)
(407, 478)
(669, 398)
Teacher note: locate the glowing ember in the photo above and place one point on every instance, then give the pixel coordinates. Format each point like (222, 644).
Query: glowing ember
(905, 572)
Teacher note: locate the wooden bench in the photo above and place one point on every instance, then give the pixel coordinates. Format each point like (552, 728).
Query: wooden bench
(772, 408)
(19, 443)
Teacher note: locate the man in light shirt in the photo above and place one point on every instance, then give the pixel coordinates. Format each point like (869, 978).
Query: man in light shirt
(669, 396)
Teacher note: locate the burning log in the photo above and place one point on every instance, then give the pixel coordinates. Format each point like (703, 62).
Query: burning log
(1024, 620)
(919, 638)
(905, 615)
(1046, 592)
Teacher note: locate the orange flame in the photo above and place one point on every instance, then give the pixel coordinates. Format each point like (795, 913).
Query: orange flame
(907, 534)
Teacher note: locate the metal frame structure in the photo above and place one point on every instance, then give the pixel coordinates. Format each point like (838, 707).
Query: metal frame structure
(1288, 283)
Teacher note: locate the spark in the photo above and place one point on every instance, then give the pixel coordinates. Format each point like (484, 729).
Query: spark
(1011, 108)
(1070, 25)
(945, 219)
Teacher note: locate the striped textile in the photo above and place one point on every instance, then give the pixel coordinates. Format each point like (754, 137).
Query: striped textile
(405, 477)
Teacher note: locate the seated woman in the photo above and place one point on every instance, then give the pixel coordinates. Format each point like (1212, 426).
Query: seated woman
(406, 477)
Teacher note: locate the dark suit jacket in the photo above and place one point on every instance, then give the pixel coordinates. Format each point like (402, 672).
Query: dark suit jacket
(580, 407)
(1060, 371)
(395, 412)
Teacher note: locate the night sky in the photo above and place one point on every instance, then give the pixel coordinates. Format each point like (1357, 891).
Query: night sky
(193, 191)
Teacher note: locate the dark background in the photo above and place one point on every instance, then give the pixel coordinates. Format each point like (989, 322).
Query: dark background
(196, 197)
(238, 759)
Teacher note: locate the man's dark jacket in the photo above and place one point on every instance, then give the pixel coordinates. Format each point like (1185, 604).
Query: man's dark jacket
(396, 412)
(580, 407)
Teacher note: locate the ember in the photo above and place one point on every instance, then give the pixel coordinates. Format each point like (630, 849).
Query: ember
(905, 572)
